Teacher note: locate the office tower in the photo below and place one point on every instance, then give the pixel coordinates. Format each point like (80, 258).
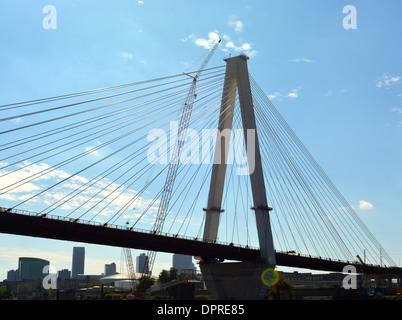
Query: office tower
(12, 275)
(31, 269)
(78, 262)
(142, 264)
(110, 269)
(183, 263)
(64, 274)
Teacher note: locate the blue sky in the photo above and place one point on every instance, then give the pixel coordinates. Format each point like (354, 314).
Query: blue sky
(340, 90)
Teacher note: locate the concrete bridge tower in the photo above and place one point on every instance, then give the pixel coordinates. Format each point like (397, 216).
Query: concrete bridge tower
(239, 280)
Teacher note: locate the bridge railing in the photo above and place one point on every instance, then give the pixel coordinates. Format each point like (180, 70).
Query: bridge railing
(114, 226)
(100, 224)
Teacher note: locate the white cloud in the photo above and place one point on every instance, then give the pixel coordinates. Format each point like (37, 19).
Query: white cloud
(92, 150)
(365, 205)
(386, 80)
(127, 56)
(140, 2)
(209, 43)
(230, 44)
(190, 37)
(398, 110)
(236, 24)
(302, 60)
(31, 173)
(79, 196)
(275, 95)
(227, 43)
(185, 64)
(293, 94)
(245, 47)
(328, 94)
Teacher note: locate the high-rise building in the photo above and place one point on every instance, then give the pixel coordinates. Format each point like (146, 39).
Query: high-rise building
(142, 264)
(183, 263)
(31, 269)
(78, 262)
(110, 269)
(12, 275)
(64, 274)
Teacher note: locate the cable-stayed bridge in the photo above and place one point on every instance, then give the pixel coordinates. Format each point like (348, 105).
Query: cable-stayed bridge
(92, 166)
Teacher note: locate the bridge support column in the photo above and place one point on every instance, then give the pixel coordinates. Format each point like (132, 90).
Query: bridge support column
(237, 81)
(234, 281)
(241, 280)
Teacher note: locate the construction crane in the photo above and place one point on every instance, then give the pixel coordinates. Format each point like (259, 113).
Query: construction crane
(174, 161)
(130, 270)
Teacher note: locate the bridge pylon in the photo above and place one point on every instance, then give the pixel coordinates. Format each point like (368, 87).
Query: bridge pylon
(222, 279)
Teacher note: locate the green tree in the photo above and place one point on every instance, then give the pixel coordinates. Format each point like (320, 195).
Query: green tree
(23, 288)
(37, 286)
(144, 283)
(274, 292)
(167, 276)
(6, 292)
(164, 277)
(173, 274)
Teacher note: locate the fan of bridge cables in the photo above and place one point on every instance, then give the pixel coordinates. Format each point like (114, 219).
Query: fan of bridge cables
(102, 156)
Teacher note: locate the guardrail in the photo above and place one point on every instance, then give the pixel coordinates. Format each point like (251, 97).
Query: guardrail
(113, 226)
(144, 231)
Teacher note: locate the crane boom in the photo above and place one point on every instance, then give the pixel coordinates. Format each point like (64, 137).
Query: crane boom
(130, 269)
(174, 161)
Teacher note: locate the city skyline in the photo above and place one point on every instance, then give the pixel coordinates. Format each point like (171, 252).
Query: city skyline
(339, 89)
(94, 265)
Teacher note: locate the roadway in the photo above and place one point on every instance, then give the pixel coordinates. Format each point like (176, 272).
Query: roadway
(60, 228)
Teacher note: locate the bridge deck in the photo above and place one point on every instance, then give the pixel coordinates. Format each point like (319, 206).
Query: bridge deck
(63, 229)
